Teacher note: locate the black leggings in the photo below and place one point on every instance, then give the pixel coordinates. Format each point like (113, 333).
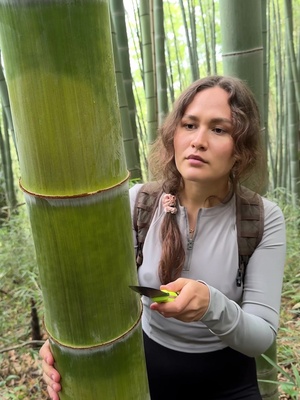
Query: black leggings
(220, 375)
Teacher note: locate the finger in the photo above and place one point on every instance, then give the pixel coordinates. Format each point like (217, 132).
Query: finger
(176, 286)
(55, 386)
(44, 348)
(52, 393)
(46, 354)
(164, 309)
(50, 372)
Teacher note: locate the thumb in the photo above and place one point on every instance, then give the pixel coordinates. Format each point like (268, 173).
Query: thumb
(175, 286)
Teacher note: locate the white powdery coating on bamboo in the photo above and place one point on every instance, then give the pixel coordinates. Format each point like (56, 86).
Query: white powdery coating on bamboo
(80, 201)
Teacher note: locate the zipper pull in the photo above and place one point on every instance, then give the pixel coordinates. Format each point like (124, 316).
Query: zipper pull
(240, 273)
(190, 244)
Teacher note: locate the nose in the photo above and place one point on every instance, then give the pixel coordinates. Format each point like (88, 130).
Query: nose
(200, 139)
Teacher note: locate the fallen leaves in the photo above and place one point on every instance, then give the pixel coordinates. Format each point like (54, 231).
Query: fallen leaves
(21, 376)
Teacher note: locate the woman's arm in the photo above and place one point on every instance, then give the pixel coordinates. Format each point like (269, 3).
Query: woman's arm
(252, 327)
(249, 327)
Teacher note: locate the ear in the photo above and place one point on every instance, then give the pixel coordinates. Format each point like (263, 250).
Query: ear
(235, 160)
(235, 163)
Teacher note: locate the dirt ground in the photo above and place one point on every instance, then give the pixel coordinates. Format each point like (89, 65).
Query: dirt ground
(21, 375)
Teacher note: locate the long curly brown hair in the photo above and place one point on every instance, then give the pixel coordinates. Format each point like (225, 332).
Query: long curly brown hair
(248, 150)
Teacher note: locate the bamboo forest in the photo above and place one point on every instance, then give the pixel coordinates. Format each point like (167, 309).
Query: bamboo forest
(85, 86)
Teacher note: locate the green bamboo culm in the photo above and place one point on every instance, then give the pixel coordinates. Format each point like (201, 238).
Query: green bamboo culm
(59, 68)
(243, 55)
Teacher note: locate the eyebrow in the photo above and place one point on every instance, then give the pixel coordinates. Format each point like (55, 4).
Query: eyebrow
(214, 120)
(218, 120)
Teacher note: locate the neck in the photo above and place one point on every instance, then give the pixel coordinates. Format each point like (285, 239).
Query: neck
(198, 196)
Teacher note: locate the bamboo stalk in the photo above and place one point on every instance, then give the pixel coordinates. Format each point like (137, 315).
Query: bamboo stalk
(242, 47)
(60, 74)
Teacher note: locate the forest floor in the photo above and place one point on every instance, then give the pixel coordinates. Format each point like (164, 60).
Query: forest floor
(20, 363)
(21, 377)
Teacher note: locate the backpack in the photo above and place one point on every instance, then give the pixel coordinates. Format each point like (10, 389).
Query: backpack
(249, 222)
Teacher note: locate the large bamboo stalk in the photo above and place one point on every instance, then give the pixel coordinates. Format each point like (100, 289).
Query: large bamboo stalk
(243, 56)
(125, 92)
(60, 73)
(160, 60)
(148, 71)
(242, 44)
(293, 109)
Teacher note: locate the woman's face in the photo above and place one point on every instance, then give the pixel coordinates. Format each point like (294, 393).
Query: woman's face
(204, 148)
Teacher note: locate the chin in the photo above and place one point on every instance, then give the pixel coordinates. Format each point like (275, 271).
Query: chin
(207, 180)
(196, 179)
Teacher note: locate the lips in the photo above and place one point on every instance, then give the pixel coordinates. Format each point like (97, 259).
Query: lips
(197, 158)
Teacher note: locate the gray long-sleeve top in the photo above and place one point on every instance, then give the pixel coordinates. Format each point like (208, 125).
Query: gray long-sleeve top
(245, 318)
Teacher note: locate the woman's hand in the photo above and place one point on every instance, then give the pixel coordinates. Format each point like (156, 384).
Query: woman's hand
(191, 303)
(50, 375)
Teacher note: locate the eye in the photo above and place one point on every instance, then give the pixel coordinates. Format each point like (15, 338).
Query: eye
(219, 131)
(189, 127)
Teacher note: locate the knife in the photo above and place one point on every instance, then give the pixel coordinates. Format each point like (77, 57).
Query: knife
(159, 296)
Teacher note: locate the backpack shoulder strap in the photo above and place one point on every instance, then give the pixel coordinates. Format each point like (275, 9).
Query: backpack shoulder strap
(249, 221)
(250, 227)
(145, 206)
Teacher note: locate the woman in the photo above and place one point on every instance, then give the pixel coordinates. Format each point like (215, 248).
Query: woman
(205, 341)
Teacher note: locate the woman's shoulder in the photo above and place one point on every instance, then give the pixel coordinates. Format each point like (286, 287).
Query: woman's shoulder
(270, 206)
(133, 191)
(153, 189)
(273, 215)
(271, 209)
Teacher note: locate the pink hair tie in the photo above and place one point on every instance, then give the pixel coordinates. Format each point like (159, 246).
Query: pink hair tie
(169, 202)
